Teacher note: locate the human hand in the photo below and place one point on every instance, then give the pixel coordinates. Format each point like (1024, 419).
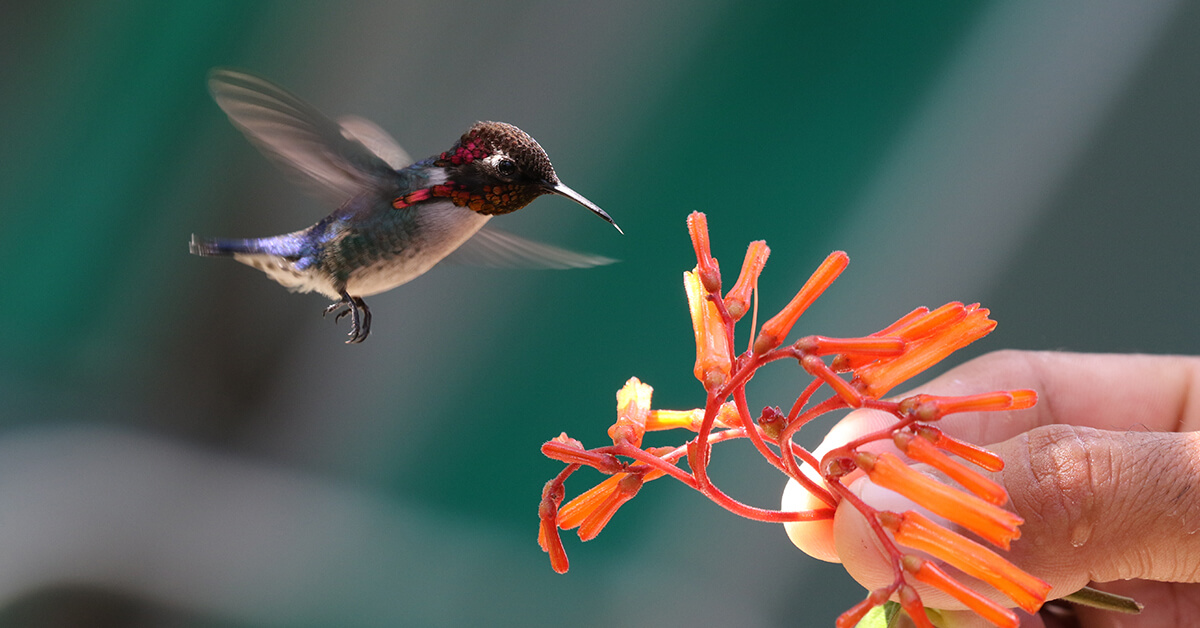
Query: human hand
(1105, 470)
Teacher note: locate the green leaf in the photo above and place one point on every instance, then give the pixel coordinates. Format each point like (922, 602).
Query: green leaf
(1087, 596)
(876, 617)
(880, 616)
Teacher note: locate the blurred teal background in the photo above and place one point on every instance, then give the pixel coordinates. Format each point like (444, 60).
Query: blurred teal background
(184, 443)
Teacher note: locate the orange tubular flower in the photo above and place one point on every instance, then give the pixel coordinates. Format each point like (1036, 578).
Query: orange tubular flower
(872, 347)
(988, 520)
(880, 376)
(775, 330)
(921, 450)
(548, 538)
(930, 574)
(592, 509)
(917, 532)
(627, 486)
(843, 363)
(706, 266)
(633, 409)
(932, 407)
(737, 301)
(712, 345)
(727, 416)
(976, 455)
(911, 603)
(571, 451)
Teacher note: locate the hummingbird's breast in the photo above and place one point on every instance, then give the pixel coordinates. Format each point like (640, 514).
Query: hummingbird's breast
(394, 246)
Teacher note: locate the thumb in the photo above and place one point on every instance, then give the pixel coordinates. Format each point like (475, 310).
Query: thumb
(1101, 505)
(1098, 506)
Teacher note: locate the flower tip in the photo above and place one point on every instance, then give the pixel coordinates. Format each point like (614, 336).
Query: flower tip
(1023, 399)
(633, 410)
(737, 302)
(551, 543)
(709, 272)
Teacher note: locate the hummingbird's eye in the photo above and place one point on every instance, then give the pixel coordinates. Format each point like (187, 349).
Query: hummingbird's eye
(506, 168)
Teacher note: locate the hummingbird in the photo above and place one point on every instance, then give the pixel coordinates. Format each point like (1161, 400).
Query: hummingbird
(395, 219)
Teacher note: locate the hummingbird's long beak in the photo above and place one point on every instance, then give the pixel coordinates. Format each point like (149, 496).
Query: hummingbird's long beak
(558, 188)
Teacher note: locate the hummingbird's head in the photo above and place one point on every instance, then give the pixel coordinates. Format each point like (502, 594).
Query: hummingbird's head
(497, 168)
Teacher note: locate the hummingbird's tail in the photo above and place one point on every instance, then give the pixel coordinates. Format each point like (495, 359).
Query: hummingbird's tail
(213, 247)
(280, 257)
(283, 246)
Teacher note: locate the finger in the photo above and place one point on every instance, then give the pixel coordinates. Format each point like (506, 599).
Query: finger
(1105, 391)
(1102, 506)
(1098, 506)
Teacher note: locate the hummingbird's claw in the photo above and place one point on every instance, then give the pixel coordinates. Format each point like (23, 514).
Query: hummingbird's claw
(360, 316)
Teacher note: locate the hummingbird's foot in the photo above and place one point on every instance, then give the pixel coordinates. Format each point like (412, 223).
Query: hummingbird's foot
(360, 316)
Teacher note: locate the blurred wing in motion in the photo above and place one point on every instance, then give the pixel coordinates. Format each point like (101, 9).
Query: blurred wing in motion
(500, 249)
(375, 140)
(339, 160)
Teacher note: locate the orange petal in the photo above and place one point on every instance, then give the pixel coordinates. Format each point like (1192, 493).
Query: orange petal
(917, 532)
(775, 330)
(882, 375)
(933, 407)
(573, 513)
(988, 520)
(727, 416)
(911, 603)
(921, 450)
(573, 453)
(815, 367)
(921, 326)
(737, 301)
(551, 543)
(967, 451)
(925, 571)
(672, 419)
(633, 409)
(871, 346)
(548, 538)
(845, 363)
(707, 268)
(713, 362)
(626, 488)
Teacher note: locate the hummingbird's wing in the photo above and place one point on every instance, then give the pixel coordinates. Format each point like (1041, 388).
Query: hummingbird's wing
(496, 248)
(376, 140)
(339, 159)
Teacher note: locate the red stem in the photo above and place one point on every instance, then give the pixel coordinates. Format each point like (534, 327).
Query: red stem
(739, 398)
(649, 459)
(803, 399)
(870, 514)
(886, 432)
(762, 514)
(794, 472)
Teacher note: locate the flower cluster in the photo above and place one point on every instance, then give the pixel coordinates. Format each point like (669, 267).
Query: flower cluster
(858, 372)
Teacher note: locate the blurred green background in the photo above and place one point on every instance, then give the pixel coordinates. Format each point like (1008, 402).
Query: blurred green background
(184, 443)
